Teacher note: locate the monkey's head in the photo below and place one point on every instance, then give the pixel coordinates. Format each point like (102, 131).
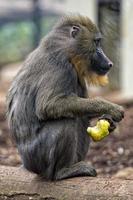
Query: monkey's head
(81, 39)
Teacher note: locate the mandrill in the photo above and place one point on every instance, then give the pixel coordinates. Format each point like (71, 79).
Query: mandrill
(47, 107)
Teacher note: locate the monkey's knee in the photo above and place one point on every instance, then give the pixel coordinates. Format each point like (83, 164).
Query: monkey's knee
(39, 165)
(38, 156)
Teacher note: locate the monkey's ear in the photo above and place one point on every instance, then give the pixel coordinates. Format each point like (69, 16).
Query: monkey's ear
(74, 31)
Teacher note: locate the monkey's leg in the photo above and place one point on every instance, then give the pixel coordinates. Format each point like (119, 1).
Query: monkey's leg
(79, 169)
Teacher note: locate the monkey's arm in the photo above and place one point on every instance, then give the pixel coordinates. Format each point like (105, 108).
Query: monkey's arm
(71, 106)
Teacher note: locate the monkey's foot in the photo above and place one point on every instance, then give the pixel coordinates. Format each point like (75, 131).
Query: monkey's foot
(78, 169)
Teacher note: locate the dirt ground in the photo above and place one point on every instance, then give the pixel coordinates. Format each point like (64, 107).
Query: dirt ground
(108, 156)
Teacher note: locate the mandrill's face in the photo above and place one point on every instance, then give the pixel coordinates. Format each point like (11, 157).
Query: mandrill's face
(82, 40)
(100, 63)
(89, 46)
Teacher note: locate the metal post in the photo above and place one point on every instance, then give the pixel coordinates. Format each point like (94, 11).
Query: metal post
(37, 23)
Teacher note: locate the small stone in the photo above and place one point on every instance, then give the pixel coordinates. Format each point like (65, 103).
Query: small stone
(120, 150)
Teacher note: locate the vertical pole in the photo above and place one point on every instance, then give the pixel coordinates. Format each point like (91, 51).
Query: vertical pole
(109, 24)
(37, 23)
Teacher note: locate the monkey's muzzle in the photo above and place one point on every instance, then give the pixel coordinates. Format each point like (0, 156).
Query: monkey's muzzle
(101, 64)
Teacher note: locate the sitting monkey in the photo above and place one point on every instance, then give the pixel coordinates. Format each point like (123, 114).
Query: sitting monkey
(47, 109)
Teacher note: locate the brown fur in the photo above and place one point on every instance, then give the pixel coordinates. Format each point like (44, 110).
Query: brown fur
(77, 19)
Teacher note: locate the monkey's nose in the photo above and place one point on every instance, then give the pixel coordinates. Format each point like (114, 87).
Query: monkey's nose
(110, 64)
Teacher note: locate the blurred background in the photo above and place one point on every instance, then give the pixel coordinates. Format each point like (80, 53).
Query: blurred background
(24, 22)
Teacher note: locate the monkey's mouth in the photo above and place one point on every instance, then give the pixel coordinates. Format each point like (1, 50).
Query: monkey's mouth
(102, 71)
(100, 68)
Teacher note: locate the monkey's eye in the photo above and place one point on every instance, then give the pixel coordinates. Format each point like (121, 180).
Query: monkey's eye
(74, 31)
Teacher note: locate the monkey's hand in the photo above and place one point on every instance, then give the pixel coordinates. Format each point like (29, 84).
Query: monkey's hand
(115, 111)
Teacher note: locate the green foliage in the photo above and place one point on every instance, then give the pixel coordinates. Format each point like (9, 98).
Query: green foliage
(47, 24)
(15, 41)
